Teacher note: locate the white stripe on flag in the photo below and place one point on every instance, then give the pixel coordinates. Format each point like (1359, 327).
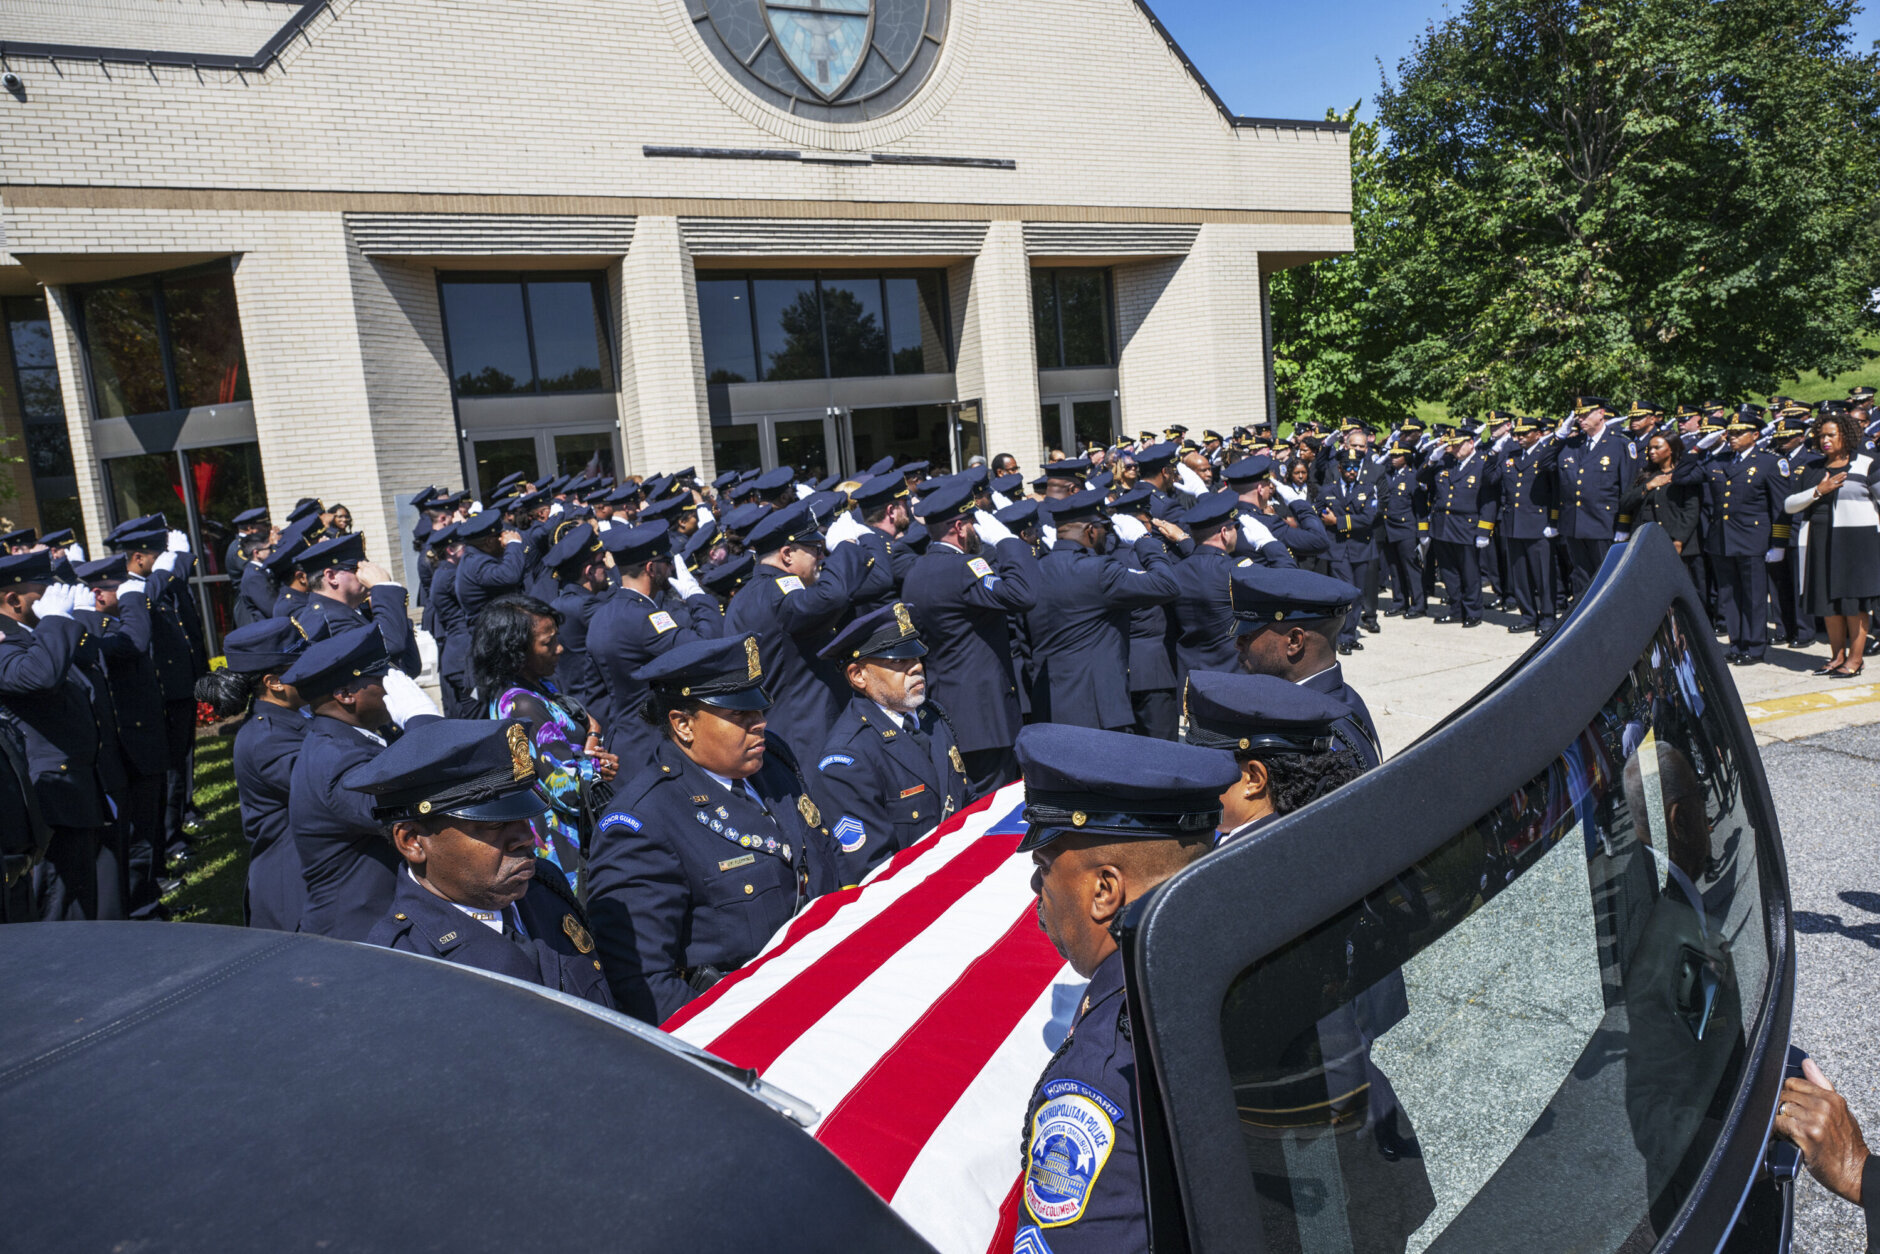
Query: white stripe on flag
(952, 1192)
(833, 1056)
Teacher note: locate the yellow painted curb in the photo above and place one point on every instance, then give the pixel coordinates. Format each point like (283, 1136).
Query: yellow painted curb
(1760, 712)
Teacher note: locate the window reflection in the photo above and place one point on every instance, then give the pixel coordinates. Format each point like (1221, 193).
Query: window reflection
(736, 447)
(42, 411)
(854, 327)
(498, 459)
(789, 328)
(489, 340)
(724, 318)
(165, 343)
(126, 356)
(1071, 317)
(836, 324)
(205, 339)
(1546, 1017)
(570, 351)
(512, 335)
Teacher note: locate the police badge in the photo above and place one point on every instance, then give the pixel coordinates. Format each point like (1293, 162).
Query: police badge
(807, 808)
(520, 758)
(578, 934)
(959, 763)
(754, 666)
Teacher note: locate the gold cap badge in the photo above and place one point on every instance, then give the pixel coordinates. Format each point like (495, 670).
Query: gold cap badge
(754, 667)
(902, 619)
(519, 755)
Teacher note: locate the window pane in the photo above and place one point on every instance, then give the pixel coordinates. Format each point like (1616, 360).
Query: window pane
(489, 342)
(736, 448)
(917, 321)
(57, 512)
(126, 360)
(590, 454)
(1594, 947)
(906, 432)
(497, 459)
(801, 444)
(1044, 318)
(205, 339)
(972, 432)
(724, 319)
(1086, 317)
(40, 401)
(789, 328)
(30, 333)
(49, 451)
(570, 346)
(227, 480)
(148, 483)
(1092, 420)
(854, 327)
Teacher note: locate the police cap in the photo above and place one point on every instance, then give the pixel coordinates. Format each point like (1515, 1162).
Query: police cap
(1135, 501)
(287, 551)
(1007, 485)
(489, 522)
(945, 503)
(727, 673)
(270, 645)
(1211, 511)
(1242, 712)
(1078, 507)
(24, 536)
(108, 570)
(915, 469)
(1019, 516)
(1261, 596)
(58, 539)
(460, 767)
(19, 568)
(775, 480)
(887, 632)
(1583, 405)
(1250, 469)
(1073, 468)
(347, 657)
(577, 547)
(149, 540)
(741, 519)
(1151, 460)
(729, 575)
(1085, 782)
(631, 546)
(793, 524)
(880, 490)
(881, 467)
(343, 552)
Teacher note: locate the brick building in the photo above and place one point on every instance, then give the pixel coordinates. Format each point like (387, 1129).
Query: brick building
(253, 250)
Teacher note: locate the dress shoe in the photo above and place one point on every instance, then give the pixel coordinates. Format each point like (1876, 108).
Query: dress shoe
(1731, 656)
(1409, 614)
(1371, 625)
(1744, 659)
(1474, 622)
(1445, 618)
(1519, 629)
(1545, 630)
(1344, 649)
(1358, 645)
(1392, 613)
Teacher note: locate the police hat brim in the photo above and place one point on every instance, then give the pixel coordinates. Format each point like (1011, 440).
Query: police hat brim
(524, 803)
(744, 699)
(911, 647)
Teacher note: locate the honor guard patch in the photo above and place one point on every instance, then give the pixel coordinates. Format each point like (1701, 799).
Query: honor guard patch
(520, 759)
(578, 934)
(622, 818)
(835, 759)
(661, 622)
(807, 808)
(1072, 1135)
(789, 583)
(980, 567)
(849, 833)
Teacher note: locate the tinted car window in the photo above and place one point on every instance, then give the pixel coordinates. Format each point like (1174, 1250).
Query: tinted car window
(1540, 1028)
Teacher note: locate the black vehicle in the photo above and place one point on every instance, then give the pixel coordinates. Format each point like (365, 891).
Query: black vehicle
(1528, 985)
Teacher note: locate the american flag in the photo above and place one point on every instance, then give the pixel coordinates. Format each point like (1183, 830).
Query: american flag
(916, 1013)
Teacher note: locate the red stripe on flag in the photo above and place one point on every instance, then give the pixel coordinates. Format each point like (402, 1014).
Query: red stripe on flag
(820, 912)
(757, 1039)
(881, 1124)
(1007, 1233)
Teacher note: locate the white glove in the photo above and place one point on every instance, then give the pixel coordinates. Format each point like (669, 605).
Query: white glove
(75, 553)
(83, 598)
(1188, 480)
(1550, 533)
(847, 528)
(1565, 428)
(990, 529)
(1255, 531)
(178, 542)
(1774, 555)
(56, 603)
(1000, 501)
(684, 580)
(1620, 537)
(1711, 441)
(1128, 530)
(804, 491)
(1481, 542)
(404, 700)
(133, 584)
(554, 511)
(1287, 493)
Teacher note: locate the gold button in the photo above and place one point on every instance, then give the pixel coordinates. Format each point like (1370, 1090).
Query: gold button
(399, 917)
(917, 814)
(748, 890)
(597, 964)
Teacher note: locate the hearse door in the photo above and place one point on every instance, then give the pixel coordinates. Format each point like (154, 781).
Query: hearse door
(1526, 985)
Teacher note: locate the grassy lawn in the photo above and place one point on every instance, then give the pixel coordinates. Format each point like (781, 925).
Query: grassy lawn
(1812, 387)
(213, 884)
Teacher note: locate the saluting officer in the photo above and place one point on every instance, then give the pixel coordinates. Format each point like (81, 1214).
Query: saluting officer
(285, 576)
(1793, 456)
(1595, 467)
(448, 624)
(250, 524)
(266, 747)
(1288, 623)
(1462, 518)
(1272, 533)
(1349, 507)
(1743, 499)
(578, 564)
(960, 602)
(891, 770)
(457, 796)
(1405, 511)
(348, 591)
(1109, 816)
(885, 509)
(493, 564)
(1202, 606)
(1529, 505)
(795, 600)
(714, 845)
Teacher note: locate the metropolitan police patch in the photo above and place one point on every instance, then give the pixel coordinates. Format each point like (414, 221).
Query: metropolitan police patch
(1072, 1134)
(849, 834)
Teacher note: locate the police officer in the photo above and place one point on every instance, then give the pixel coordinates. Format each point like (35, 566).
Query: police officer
(1406, 523)
(249, 525)
(635, 625)
(282, 567)
(1743, 500)
(1202, 607)
(1288, 624)
(1283, 738)
(343, 856)
(1462, 518)
(1349, 507)
(457, 796)
(254, 587)
(1595, 466)
(347, 591)
(578, 563)
(1156, 466)
(1789, 443)
(1276, 529)
(1529, 490)
(885, 511)
(714, 845)
(44, 698)
(797, 597)
(1109, 818)
(493, 564)
(891, 770)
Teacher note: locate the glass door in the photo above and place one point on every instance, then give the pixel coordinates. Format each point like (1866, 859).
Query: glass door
(804, 443)
(1075, 422)
(493, 460)
(904, 432)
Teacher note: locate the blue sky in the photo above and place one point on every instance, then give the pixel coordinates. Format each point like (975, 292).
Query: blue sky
(1269, 59)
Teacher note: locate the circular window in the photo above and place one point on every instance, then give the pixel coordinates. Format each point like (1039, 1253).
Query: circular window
(830, 60)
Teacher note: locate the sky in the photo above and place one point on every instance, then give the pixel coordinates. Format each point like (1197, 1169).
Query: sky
(1276, 60)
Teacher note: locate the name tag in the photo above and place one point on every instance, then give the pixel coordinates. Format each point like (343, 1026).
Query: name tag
(789, 583)
(909, 792)
(661, 622)
(732, 864)
(979, 567)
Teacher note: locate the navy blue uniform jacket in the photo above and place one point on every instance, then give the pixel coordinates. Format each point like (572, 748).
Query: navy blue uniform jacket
(881, 788)
(1203, 608)
(892, 555)
(46, 697)
(1529, 489)
(1593, 476)
(1743, 500)
(682, 874)
(626, 632)
(142, 732)
(576, 673)
(960, 604)
(1080, 629)
(421, 922)
(346, 860)
(322, 616)
(1355, 507)
(265, 750)
(1404, 506)
(174, 633)
(1356, 731)
(1463, 500)
(254, 598)
(482, 578)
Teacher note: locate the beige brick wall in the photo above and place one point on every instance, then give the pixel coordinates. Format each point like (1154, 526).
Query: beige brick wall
(1003, 357)
(664, 415)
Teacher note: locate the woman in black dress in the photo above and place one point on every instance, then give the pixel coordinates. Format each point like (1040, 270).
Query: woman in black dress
(1839, 561)
(1657, 495)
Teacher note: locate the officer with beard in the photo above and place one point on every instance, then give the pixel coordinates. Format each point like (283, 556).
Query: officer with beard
(891, 770)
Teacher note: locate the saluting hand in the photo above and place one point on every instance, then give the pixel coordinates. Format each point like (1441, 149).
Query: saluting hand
(512, 537)
(371, 574)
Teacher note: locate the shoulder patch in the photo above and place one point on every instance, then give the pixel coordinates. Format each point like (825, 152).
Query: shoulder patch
(620, 818)
(979, 566)
(789, 583)
(1782, 464)
(1072, 1135)
(661, 622)
(835, 759)
(1030, 1241)
(849, 834)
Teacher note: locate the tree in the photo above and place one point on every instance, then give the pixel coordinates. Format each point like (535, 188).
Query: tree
(1657, 198)
(1332, 341)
